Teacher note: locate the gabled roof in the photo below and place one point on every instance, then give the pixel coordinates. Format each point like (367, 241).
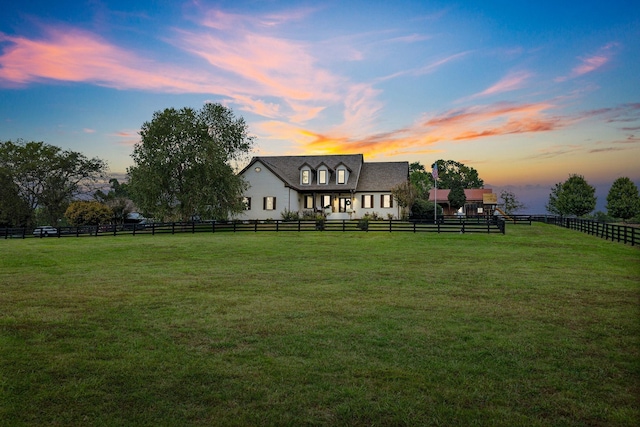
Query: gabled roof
(287, 169)
(382, 176)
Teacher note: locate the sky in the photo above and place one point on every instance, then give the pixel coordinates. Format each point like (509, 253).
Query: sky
(525, 92)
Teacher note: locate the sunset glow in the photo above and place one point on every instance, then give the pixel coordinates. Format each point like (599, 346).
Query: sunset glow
(526, 93)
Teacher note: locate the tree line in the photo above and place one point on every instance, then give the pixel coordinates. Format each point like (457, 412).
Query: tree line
(183, 167)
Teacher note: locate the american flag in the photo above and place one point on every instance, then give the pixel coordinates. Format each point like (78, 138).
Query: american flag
(434, 171)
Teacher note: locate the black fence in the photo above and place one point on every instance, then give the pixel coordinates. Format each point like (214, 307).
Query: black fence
(443, 225)
(614, 232)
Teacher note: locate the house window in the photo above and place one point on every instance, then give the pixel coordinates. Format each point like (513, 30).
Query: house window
(269, 203)
(322, 176)
(342, 176)
(247, 203)
(326, 202)
(367, 201)
(305, 177)
(308, 202)
(386, 201)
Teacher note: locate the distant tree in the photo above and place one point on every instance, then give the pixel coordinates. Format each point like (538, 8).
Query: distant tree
(88, 213)
(510, 202)
(572, 197)
(623, 200)
(182, 164)
(117, 199)
(451, 173)
(47, 177)
(456, 197)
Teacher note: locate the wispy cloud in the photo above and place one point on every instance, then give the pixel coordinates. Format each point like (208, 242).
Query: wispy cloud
(69, 54)
(592, 62)
(127, 137)
(512, 81)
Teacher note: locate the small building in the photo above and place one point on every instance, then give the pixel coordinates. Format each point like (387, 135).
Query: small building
(339, 186)
(480, 201)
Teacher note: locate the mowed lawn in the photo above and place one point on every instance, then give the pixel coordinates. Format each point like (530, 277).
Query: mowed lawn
(540, 326)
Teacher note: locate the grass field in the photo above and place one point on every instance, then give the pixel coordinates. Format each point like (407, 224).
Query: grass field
(540, 326)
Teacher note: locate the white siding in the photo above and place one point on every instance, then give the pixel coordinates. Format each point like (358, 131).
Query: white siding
(263, 184)
(377, 207)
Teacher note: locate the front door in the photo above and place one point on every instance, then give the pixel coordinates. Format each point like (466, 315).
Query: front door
(344, 203)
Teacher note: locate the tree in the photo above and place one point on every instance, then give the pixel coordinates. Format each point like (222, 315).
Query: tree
(572, 197)
(415, 191)
(451, 173)
(117, 199)
(421, 180)
(405, 195)
(47, 177)
(88, 213)
(14, 212)
(456, 197)
(182, 164)
(623, 200)
(510, 202)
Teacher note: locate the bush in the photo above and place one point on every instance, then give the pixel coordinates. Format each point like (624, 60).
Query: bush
(423, 209)
(88, 213)
(363, 223)
(288, 215)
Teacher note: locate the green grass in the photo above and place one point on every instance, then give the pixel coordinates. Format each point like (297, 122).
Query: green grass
(540, 326)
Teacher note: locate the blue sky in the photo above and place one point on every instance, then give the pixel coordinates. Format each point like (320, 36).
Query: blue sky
(525, 92)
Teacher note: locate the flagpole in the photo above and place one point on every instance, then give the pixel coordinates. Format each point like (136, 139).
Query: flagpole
(434, 173)
(435, 203)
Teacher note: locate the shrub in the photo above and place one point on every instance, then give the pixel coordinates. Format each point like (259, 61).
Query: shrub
(288, 215)
(88, 213)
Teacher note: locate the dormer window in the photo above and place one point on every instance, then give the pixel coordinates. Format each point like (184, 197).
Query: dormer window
(306, 177)
(322, 176)
(341, 176)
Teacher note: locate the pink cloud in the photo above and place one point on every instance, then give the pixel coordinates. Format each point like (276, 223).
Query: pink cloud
(510, 82)
(591, 63)
(68, 54)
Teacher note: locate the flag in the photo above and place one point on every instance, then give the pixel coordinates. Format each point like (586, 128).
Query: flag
(434, 171)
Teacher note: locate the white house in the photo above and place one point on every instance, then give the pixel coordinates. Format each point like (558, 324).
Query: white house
(342, 186)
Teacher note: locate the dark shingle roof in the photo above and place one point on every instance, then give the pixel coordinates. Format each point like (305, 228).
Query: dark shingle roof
(363, 176)
(382, 176)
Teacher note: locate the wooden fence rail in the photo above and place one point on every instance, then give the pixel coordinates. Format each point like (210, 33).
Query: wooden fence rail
(614, 232)
(443, 225)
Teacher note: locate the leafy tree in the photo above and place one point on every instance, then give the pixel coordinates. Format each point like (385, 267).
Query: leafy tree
(573, 197)
(456, 197)
(405, 195)
(623, 200)
(47, 177)
(14, 212)
(415, 191)
(117, 199)
(421, 180)
(182, 164)
(451, 173)
(88, 213)
(510, 202)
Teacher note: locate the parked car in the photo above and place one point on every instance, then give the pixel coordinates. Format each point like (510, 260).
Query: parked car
(45, 230)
